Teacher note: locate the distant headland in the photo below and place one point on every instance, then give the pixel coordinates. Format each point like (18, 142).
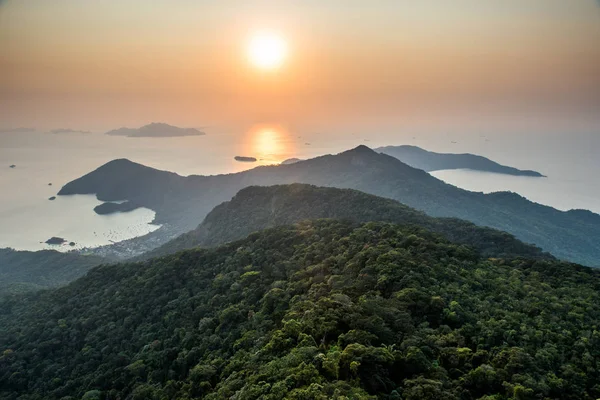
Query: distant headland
(429, 161)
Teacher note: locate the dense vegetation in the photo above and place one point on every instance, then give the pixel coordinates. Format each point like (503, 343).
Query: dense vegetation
(429, 161)
(22, 271)
(321, 310)
(183, 202)
(251, 210)
(256, 208)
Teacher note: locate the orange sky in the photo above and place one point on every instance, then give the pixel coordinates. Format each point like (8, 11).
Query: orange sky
(103, 64)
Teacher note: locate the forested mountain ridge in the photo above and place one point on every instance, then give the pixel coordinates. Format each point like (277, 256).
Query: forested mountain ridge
(256, 208)
(183, 202)
(28, 270)
(430, 161)
(319, 310)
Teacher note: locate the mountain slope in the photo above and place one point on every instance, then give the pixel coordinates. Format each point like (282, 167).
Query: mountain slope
(256, 208)
(429, 161)
(29, 270)
(321, 310)
(183, 202)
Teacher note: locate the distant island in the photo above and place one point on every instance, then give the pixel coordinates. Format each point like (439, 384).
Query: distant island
(155, 129)
(67, 130)
(112, 208)
(17, 130)
(244, 159)
(55, 241)
(290, 161)
(429, 161)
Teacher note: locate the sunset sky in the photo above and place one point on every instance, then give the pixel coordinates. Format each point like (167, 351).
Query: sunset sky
(88, 64)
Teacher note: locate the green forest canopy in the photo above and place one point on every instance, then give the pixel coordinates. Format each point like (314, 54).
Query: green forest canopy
(259, 207)
(318, 310)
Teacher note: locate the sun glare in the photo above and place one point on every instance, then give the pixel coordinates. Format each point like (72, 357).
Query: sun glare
(271, 144)
(267, 50)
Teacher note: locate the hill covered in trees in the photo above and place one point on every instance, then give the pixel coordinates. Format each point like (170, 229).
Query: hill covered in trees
(319, 310)
(183, 202)
(431, 161)
(22, 271)
(256, 208)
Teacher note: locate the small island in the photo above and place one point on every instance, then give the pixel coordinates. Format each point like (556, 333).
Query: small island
(17, 130)
(52, 198)
(55, 241)
(112, 208)
(244, 159)
(67, 130)
(155, 129)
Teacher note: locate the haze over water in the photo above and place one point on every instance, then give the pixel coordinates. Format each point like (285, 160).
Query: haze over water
(29, 217)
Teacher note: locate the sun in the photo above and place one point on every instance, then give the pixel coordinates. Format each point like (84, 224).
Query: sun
(267, 50)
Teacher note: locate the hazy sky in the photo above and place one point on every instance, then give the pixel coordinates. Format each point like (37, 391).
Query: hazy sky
(89, 64)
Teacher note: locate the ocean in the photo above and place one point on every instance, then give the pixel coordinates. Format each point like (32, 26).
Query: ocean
(28, 218)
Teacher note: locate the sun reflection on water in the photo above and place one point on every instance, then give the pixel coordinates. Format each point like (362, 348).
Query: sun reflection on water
(270, 144)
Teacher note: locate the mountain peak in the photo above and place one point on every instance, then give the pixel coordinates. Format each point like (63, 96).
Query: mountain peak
(120, 162)
(361, 149)
(121, 166)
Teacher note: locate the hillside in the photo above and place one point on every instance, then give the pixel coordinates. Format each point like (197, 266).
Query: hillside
(430, 161)
(256, 208)
(183, 202)
(321, 310)
(28, 270)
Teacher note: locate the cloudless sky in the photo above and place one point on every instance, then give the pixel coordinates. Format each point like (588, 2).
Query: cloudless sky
(91, 64)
